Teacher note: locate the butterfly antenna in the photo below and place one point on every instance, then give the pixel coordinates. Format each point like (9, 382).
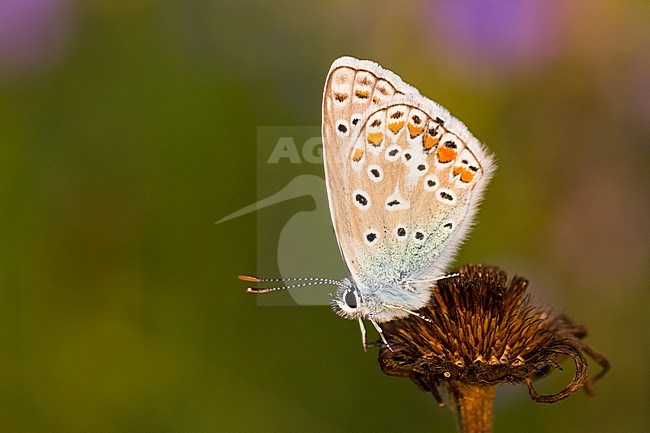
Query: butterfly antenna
(301, 282)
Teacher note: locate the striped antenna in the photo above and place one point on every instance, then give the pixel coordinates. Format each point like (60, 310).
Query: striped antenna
(301, 282)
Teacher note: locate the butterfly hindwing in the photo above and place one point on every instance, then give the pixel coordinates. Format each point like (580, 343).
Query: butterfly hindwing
(419, 188)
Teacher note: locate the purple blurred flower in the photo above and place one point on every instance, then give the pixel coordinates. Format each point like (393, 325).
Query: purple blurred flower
(33, 33)
(499, 31)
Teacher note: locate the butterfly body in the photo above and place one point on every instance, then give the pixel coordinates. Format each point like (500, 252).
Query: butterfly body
(378, 303)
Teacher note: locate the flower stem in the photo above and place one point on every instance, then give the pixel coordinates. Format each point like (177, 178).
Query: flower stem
(475, 404)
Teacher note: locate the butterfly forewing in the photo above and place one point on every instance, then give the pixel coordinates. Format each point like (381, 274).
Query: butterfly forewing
(351, 87)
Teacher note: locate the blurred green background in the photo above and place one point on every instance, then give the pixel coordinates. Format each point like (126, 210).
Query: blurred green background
(128, 127)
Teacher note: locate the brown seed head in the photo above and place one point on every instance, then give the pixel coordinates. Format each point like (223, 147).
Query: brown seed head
(486, 331)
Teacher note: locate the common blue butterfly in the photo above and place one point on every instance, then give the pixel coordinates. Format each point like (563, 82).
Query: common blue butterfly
(404, 179)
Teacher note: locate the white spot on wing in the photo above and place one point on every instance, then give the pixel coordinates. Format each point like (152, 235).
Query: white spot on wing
(342, 81)
(421, 168)
(407, 157)
(395, 201)
(393, 149)
(370, 237)
(431, 182)
(446, 196)
(361, 199)
(342, 128)
(375, 173)
(400, 232)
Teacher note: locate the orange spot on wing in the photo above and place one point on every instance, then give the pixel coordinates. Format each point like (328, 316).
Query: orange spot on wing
(375, 138)
(466, 176)
(361, 94)
(396, 126)
(415, 130)
(429, 142)
(375, 100)
(446, 154)
(248, 278)
(357, 155)
(340, 96)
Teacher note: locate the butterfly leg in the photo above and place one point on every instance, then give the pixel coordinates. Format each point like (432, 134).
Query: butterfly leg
(363, 335)
(406, 310)
(381, 332)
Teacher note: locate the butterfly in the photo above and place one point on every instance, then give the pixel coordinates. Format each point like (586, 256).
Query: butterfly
(404, 179)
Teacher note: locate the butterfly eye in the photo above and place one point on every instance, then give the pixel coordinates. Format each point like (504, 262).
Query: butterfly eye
(350, 299)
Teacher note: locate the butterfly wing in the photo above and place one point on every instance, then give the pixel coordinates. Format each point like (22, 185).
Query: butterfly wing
(352, 85)
(404, 182)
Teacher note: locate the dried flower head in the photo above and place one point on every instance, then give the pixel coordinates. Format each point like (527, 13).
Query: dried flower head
(483, 332)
